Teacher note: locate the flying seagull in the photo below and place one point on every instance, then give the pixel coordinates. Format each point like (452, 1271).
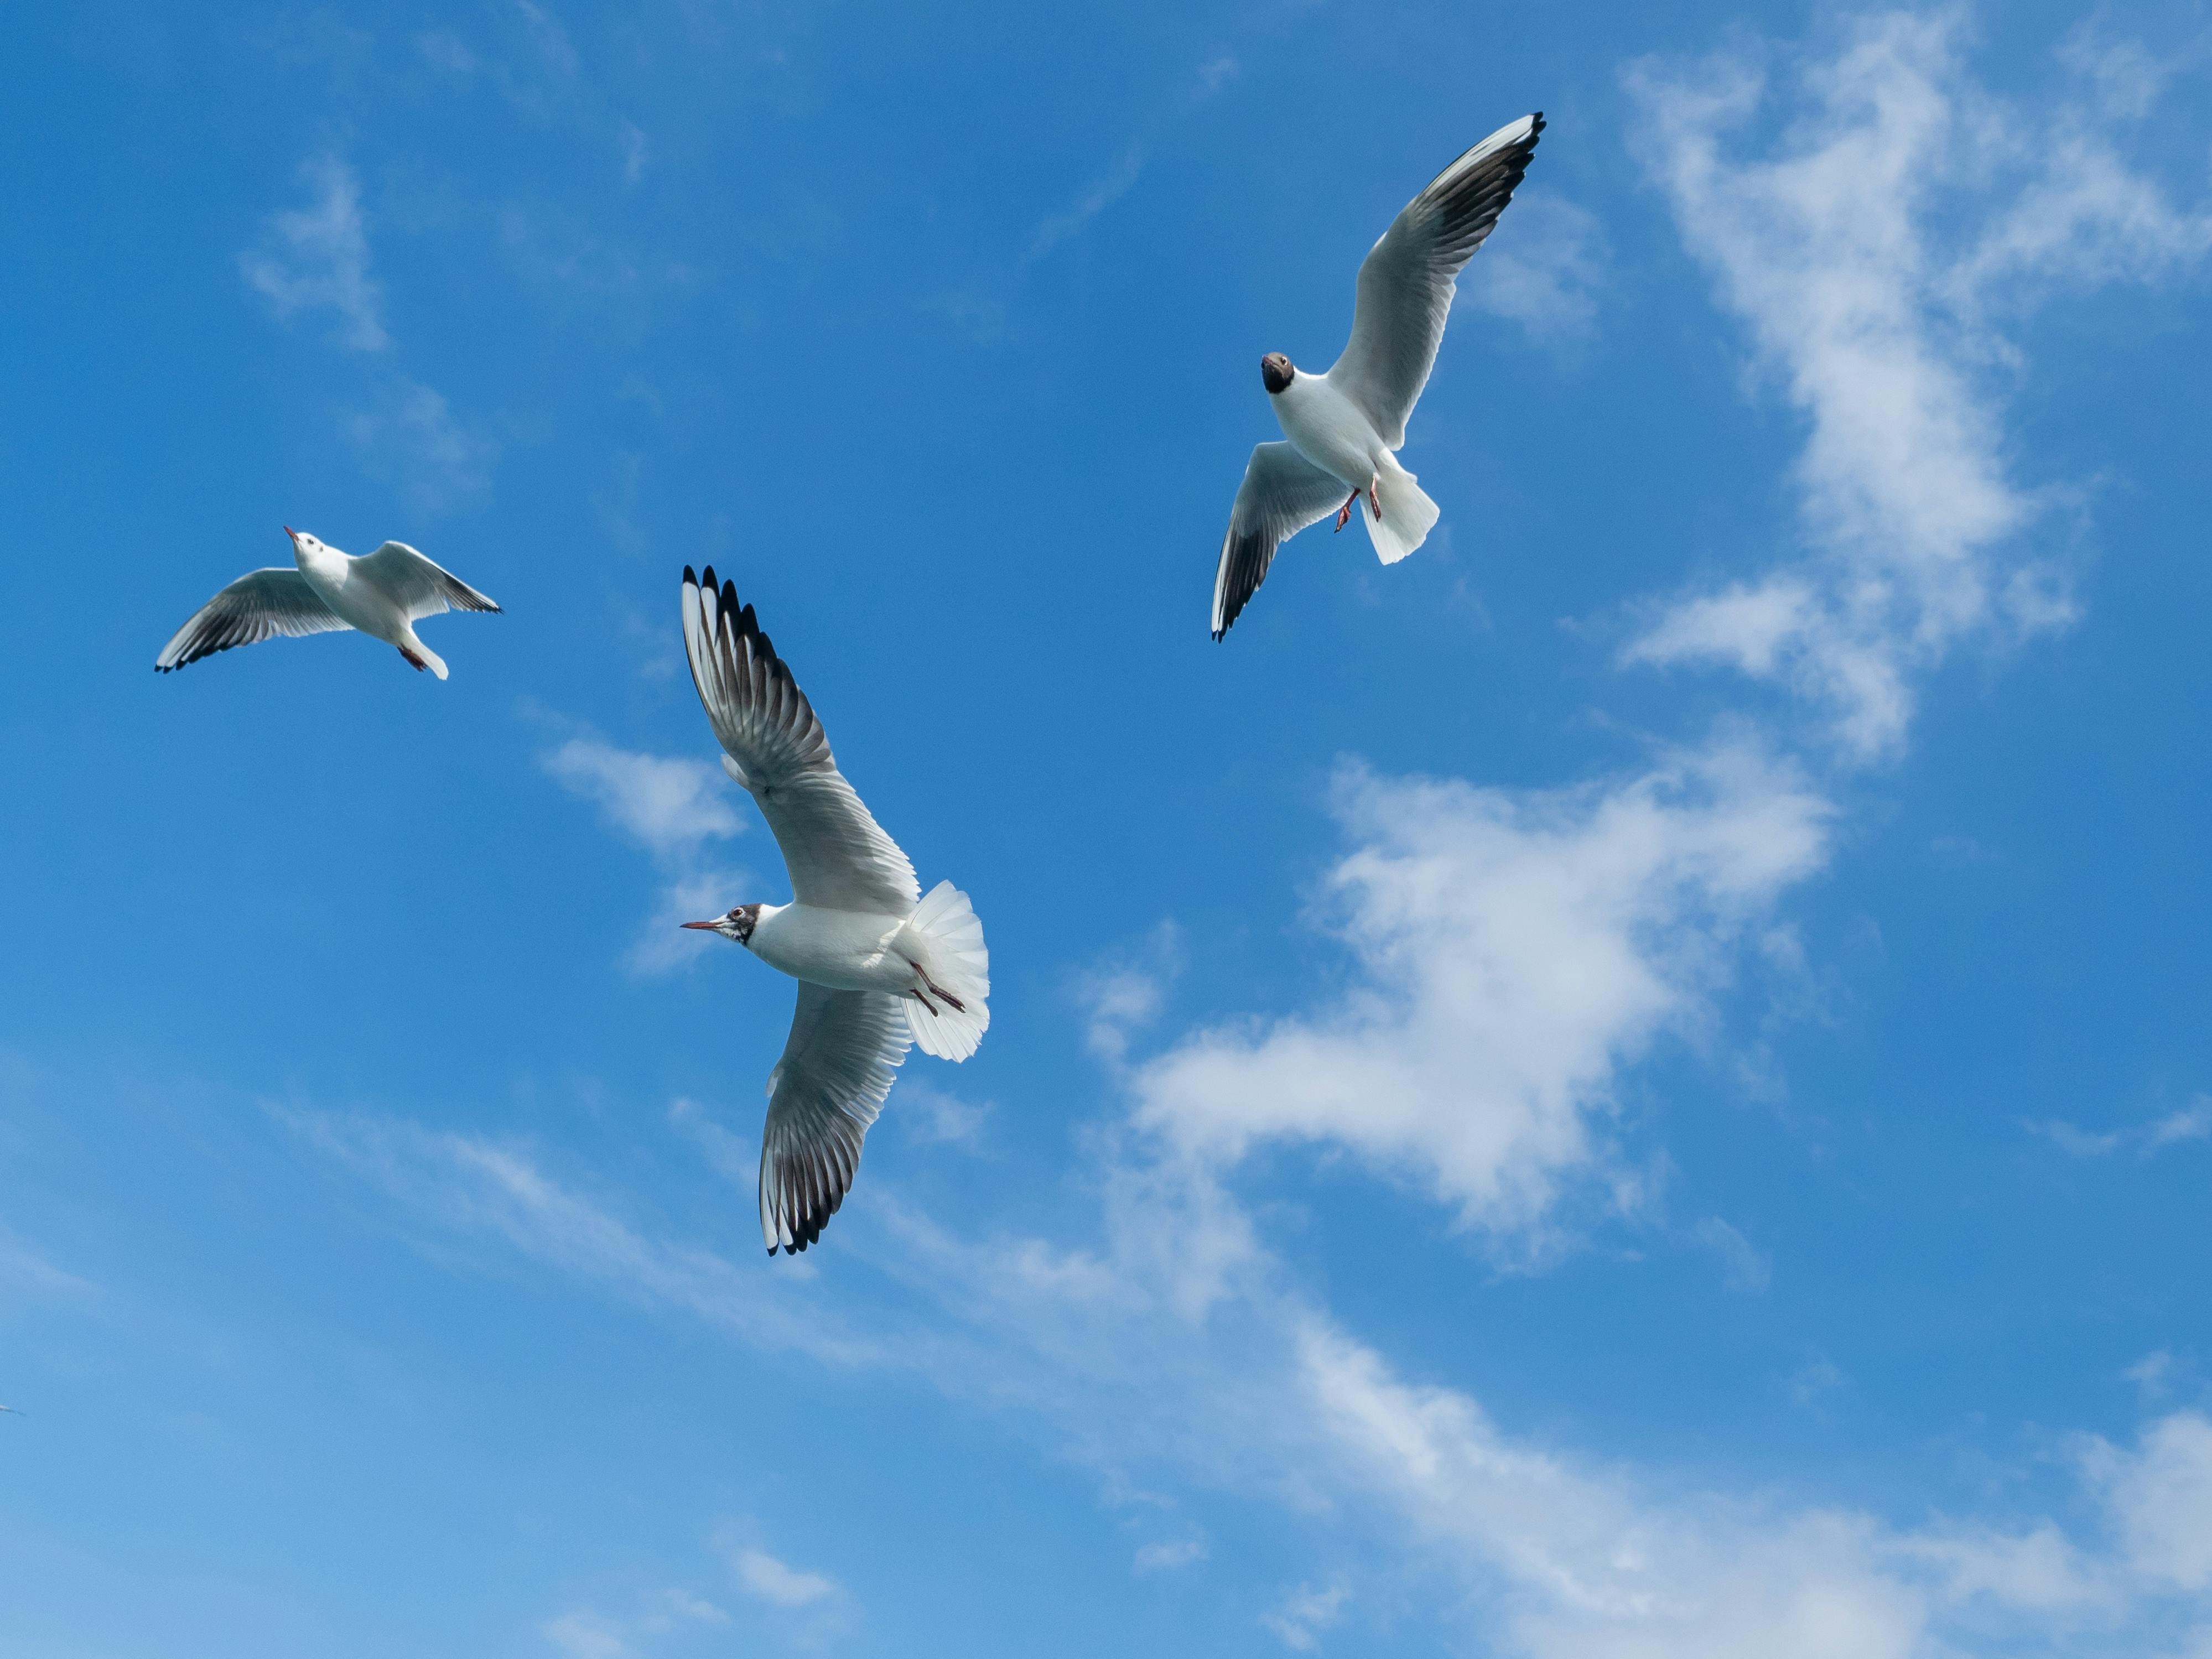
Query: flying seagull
(1343, 425)
(876, 969)
(384, 593)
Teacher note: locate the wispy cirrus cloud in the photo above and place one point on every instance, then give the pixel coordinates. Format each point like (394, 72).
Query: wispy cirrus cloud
(316, 258)
(409, 434)
(1868, 251)
(674, 808)
(1118, 178)
(1543, 269)
(2193, 1122)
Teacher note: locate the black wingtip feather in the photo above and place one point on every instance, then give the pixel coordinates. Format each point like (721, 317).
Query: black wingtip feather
(689, 580)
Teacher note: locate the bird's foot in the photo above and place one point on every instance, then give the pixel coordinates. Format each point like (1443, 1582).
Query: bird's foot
(1344, 513)
(1373, 500)
(419, 664)
(941, 995)
(922, 998)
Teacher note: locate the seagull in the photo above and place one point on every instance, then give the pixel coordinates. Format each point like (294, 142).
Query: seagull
(11, 1411)
(878, 966)
(1343, 425)
(384, 593)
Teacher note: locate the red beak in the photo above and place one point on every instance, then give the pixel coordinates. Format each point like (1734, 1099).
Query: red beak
(293, 533)
(702, 924)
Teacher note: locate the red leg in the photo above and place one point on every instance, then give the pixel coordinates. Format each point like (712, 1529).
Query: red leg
(1344, 513)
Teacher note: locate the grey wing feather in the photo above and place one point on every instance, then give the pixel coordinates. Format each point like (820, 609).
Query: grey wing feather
(262, 604)
(845, 1048)
(1282, 493)
(838, 855)
(420, 586)
(1408, 280)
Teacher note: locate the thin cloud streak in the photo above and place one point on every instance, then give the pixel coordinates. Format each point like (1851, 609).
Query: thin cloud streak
(316, 258)
(1863, 252)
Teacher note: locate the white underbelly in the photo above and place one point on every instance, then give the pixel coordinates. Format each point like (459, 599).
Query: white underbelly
(845, 950)
(1329, 430)
(356, 604)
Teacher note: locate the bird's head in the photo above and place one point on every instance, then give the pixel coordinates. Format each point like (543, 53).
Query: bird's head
(737, 925)
(301, 540)
(1276, 372)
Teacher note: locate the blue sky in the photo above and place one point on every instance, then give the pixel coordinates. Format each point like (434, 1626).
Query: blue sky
(1634, 1085)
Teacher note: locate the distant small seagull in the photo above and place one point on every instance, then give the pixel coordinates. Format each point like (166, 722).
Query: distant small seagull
(1343, 425)
(876, 969)
(384, 594)
(12, 1410)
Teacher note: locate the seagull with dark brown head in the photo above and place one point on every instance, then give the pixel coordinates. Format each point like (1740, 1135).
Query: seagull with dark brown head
(878, 965)
(1345, 426)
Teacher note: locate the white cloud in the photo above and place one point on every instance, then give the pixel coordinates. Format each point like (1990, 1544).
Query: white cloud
(929, 1114)
(1815, 1378)
(1512, 951)
(1743, 1266)
(586, 1635)
(2193, 1122)
(1101, 193)
(2150, 1373)
(316, 258)
(25, 1273)
(1250, 1388)
(673, 807)
(1863, 255)
(444, 50)
(1124, 994)
(2160, 1496)
(409, 434)
(668, 804)
(1168, 1557)
(1305, 1612)
(771, 1580)
(1541, 268)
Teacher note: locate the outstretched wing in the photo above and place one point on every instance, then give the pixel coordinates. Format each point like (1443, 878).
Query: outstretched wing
(837, 1065)
(837, 854)
(1282, 492)
(418, 586)
(261, 604)
(1406, 280)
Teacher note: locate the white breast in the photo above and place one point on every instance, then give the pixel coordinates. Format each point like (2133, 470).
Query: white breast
(845, 950)
(1329, 429)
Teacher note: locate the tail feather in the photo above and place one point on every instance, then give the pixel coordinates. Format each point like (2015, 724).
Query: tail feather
(1409, 515)
(945, 938)
(421, 656)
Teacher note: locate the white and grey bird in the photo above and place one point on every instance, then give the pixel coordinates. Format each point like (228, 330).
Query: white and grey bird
(878, 966)
(1344, 427)
(384, 594)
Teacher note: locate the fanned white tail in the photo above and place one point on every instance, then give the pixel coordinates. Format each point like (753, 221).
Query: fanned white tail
(944, 939)
(1408, 514)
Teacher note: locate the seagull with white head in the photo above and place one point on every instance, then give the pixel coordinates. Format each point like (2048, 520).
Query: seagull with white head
(384, 594)
(1344, 426)
(878, 965)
